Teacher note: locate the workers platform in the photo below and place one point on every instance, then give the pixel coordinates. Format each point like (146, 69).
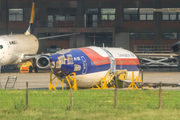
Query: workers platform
(156, 56)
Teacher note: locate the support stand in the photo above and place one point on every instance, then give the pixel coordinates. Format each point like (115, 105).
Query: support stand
(50, 83)
(67, 78)
(75, 83)
(103, 86)
(132, 84)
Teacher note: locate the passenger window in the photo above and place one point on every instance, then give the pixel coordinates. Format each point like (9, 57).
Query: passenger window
(69, 59)
(1, 47)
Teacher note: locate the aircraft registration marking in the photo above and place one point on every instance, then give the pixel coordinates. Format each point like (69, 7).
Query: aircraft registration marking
(12, 42)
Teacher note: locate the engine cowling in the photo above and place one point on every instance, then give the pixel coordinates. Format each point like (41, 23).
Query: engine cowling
(176, 48)
(43, 62)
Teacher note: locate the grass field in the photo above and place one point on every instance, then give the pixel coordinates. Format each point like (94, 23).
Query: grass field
(89, 105)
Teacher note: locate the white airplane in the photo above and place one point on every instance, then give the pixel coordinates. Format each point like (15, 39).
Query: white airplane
(16, 48)
(90, 64)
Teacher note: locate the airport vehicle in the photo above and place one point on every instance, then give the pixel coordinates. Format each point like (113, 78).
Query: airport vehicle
(22, 47)
(90, 63)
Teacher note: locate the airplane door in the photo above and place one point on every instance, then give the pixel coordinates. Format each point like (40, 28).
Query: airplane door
(84, 70)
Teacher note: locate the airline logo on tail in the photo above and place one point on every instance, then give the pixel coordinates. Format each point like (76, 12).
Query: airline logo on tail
(30, 29)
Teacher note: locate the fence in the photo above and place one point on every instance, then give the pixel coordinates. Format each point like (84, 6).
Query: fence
(90, 99)
(115, 97)
(87, 104)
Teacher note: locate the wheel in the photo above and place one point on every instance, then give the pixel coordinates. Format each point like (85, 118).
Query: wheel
(30, 69)
(36, 69)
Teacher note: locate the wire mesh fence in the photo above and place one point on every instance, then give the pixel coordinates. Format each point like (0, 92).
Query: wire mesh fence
(89, 100)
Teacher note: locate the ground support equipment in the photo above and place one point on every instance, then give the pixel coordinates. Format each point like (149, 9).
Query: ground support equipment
(10, 82)
(74, 86)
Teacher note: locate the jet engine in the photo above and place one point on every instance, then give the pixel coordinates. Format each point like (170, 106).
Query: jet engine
(176, 48)
(43, 62)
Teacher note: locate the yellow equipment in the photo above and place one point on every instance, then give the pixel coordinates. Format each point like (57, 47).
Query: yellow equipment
(51, 80)
(24, 67)
(63, 80)
(132, 84)
(103, 84)
(109, 77)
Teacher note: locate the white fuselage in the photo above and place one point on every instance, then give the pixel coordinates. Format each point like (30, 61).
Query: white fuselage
(119, 54)
(15, 46)
(93, 63)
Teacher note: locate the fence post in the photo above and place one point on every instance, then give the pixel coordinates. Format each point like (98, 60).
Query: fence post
(71, 99)
(160, 96)
(116, 81)
(115, 98)
(142, 75)
(26, 95)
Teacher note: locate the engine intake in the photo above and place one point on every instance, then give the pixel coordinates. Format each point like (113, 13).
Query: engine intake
(176, 48)
(43, 62)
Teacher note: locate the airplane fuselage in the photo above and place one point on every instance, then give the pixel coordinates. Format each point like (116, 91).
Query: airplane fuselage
(92, 63)
(15, 46)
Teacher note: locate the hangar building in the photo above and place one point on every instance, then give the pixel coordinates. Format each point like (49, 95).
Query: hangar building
(131, 24)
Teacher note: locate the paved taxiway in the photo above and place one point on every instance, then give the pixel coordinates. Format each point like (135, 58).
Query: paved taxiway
(41, 80)
(35, 80)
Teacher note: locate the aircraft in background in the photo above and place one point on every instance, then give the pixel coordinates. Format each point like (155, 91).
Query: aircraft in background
(90, 64)
(176, 48)
(22, 47)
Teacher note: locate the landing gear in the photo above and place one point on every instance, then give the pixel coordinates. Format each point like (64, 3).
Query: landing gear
(35, 66)
(30, 69)
(35, 69)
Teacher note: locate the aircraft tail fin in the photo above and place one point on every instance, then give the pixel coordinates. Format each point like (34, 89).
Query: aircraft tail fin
(30, 29)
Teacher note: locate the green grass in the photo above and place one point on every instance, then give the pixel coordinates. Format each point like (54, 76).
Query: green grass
(89, 105)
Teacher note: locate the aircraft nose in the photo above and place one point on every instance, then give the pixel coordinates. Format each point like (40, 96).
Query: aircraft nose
(62, 63)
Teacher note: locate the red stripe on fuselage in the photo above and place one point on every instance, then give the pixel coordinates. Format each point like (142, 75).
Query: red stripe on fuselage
(95, 57)
(100, 60)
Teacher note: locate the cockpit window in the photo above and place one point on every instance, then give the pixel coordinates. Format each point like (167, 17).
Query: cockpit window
(1, 47)
(69, 59)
